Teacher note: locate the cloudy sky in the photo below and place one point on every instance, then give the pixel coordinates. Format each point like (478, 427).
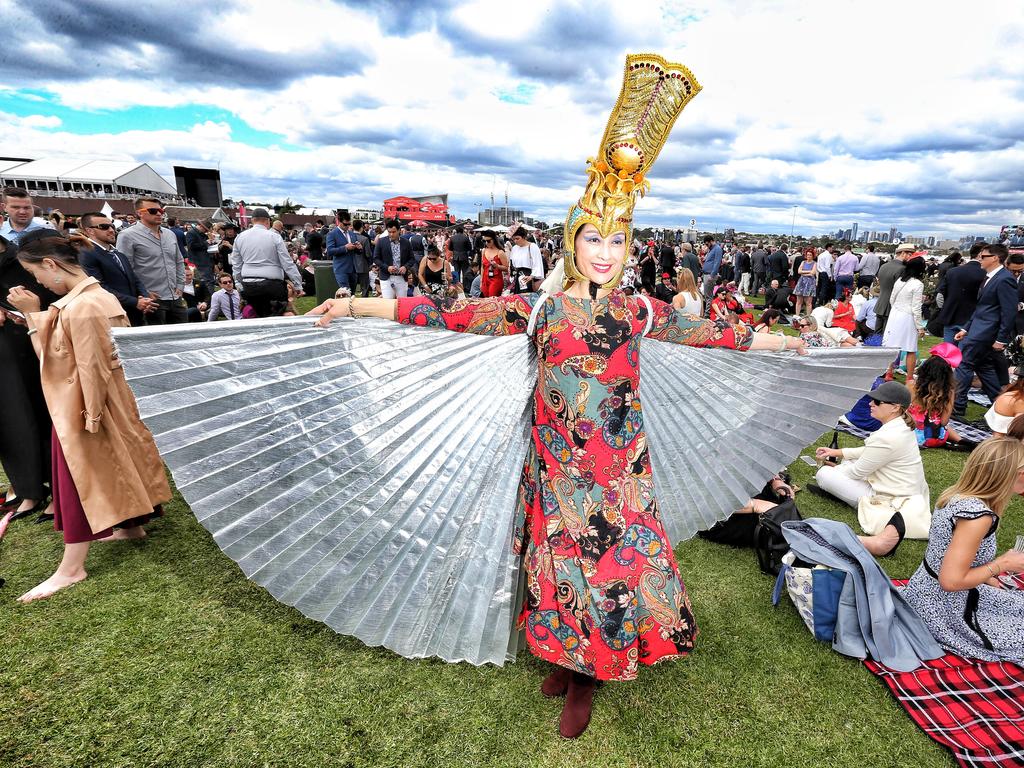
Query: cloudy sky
(883, 112)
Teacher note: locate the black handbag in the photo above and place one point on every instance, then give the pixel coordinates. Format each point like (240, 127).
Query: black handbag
(769, 543)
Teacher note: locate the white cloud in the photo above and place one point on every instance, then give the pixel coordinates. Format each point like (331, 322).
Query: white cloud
(869, 111)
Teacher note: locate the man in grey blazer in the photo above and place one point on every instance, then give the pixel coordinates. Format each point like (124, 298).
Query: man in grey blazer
(888, 274)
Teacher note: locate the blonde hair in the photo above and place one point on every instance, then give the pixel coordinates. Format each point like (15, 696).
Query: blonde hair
(686, 283)
(989, 474)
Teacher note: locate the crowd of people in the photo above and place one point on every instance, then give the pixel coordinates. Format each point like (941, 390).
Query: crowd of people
(65, 286)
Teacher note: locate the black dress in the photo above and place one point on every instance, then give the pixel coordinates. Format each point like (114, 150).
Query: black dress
(24, 420)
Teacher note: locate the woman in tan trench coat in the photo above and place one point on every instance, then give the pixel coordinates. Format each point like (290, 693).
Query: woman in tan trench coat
(106, 469)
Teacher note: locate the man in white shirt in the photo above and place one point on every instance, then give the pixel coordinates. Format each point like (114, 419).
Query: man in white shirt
(527, 263)
(826, 286)
(261, 264)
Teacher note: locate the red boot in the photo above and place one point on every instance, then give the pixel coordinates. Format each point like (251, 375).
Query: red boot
(557, 683)
(578, 702)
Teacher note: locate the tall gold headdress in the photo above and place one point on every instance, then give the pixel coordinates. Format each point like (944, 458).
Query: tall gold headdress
(654, 92)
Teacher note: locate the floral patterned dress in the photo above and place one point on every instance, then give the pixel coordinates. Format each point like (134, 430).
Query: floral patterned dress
(603, 592)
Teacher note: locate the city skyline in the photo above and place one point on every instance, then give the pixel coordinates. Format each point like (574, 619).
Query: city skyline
(454, 98)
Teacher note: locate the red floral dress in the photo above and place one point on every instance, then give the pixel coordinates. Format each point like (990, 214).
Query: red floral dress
(603, 592)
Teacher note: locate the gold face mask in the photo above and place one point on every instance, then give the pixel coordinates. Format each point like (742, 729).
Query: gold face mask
(653, 94)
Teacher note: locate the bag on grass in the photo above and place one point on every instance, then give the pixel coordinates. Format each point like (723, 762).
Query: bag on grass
(815, 591)
(769, 544)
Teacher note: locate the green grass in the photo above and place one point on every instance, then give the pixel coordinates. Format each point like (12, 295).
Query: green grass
(167, 655)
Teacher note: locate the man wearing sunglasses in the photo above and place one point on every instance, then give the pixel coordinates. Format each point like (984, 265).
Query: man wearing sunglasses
(113, 270)
(990, 329)
(152, 251)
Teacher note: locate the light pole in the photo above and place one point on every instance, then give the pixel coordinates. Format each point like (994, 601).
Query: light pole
(792, 227)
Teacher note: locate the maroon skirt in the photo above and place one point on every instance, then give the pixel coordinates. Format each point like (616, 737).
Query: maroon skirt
(68, 515)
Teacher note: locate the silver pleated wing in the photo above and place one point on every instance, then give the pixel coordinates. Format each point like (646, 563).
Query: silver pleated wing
(719, 423)
(366, 473)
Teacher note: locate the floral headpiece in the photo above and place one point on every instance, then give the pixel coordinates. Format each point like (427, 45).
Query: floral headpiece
(654, 92)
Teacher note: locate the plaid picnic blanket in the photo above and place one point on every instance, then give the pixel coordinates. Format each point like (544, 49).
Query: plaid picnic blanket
(973, 708)
(979, 397)
(975, 431)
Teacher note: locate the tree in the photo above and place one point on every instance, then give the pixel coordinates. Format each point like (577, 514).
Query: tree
(287, 207)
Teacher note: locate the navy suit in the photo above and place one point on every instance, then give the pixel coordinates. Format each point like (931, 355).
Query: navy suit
(118, 280)
(960, 292)
(341, 257)
(994, 320)
(382, 256)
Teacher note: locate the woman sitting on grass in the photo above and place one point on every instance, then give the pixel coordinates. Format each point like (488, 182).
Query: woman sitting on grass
(843, 315)
(107, 473)
(1010, 402)
(888, 464)
(933, 392)
(962, 590)
(687, 299)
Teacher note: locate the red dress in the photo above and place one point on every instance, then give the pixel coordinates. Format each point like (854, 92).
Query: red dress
(843, 317)
(603, 593)
(490, 285)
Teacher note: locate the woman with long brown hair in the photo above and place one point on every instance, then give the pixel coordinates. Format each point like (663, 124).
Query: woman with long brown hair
(106, 470)
(933, 392)
(962, 589)
(493, 266)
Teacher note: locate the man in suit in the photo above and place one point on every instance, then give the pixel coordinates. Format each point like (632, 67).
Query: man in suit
(462, 254)
(688, 260)
(989, 330)
(113, 269)
(1015, 263)
(960, 296)
(342, 243)
(888, 274)
(394, 259)
(759, 269)
(778, 265)
(197, 246)
(361, 259)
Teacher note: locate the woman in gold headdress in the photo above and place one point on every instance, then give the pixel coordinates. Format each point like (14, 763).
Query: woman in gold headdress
(603, 593)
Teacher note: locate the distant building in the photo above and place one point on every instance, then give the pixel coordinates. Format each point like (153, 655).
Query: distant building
(892, 234)
(853, 232)
(367, 214)
(101, 179)
(930, 241)
(491, 217)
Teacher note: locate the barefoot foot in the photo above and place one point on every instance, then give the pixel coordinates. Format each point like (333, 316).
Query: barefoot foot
(51, 586)
(123, 534)
(882, 543)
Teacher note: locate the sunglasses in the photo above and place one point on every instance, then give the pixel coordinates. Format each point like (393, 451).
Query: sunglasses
(226, 282)
(101, 226)
(151, 211)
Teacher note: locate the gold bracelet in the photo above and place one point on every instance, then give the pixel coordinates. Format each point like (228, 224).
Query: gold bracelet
(351, 308)
(991, 569)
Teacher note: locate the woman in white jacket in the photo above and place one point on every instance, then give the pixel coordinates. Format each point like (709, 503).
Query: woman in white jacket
(888, 464)
(903, 328)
